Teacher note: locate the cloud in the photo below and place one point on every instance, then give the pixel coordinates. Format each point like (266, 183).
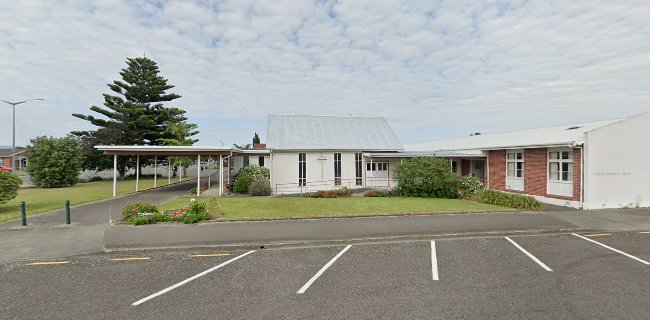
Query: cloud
(434, 69)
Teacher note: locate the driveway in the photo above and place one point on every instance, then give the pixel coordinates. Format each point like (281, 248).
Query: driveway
(47, 235)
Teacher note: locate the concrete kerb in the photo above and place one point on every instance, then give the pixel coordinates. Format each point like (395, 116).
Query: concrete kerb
(314, 231)
(270, 245)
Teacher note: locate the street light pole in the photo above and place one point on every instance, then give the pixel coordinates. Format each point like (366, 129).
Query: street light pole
(13, 126)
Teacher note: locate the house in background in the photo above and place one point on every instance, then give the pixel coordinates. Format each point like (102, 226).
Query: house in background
(591, 165)
(21, 158)
(311, 153)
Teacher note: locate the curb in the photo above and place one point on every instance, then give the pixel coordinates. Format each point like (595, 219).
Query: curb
(306, 243)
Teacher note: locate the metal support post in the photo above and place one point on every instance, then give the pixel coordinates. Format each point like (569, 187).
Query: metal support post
(67, 212)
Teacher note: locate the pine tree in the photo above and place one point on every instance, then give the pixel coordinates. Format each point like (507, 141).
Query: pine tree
(256, 139)
(133, 114)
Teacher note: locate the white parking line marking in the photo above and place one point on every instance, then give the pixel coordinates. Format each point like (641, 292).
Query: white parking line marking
(529, 255)
(615, 250)
(189, 279)
(434, 262)
(322, 270)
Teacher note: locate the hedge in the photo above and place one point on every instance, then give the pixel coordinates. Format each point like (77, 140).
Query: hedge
(510, 200)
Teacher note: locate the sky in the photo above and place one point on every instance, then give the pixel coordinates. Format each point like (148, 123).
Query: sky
(434, 69)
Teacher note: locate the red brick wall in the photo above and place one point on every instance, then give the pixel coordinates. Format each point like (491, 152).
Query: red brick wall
(535, 164)
(535, 172)
(577, 174)
(5, 162)
(497, 167)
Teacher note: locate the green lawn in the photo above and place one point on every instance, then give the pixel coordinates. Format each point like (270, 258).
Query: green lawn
(38, 200)
(270, 208)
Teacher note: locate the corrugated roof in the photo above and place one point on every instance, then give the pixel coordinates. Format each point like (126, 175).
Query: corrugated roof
(549, 136)
(438, 154)
(299, 132)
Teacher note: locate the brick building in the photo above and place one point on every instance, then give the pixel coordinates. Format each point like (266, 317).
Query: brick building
(21, 158)
(591, 165)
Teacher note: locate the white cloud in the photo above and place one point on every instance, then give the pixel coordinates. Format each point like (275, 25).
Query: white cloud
(434, 69)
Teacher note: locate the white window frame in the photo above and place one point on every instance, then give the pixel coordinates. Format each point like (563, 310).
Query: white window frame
(514, 182)
(459, 167)
(560, 187)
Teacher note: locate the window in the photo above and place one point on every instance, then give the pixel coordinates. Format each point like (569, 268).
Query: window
(377, 166)
(260, 162)
(302, 169)
(246, 161)
(515, 170)
(515, 164)
(337, 169)
(358, 162)
(560, 166)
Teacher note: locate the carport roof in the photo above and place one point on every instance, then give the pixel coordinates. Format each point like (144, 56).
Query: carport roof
(165, 150)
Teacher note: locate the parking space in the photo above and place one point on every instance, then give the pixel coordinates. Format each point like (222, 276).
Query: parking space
(542, 276)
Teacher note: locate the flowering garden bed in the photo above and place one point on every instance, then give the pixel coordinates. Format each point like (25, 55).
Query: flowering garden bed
(139, 213)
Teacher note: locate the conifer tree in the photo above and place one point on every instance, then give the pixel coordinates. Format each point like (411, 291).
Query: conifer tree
(133, 114)
(256, 139)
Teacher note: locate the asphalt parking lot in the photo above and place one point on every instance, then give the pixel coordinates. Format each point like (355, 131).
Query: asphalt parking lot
(561, 276)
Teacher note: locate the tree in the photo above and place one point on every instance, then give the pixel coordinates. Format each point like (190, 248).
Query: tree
(9, 186)
(133, 114)
(54, 162)
(256, 139)
(182, 133)
(243, 146)
(427, 177)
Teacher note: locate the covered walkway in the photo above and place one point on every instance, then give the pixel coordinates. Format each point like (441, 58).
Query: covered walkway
(224, 153)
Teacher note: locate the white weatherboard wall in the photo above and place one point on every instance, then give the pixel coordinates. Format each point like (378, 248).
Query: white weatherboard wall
(320, 174)
(616, 165)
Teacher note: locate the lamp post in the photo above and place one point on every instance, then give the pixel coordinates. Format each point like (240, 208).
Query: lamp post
(13, 141)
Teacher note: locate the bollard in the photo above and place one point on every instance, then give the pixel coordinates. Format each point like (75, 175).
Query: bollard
(23, 214)
(67, 212)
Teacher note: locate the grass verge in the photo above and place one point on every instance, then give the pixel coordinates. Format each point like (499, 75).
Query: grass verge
(275, 208)
(39, 200)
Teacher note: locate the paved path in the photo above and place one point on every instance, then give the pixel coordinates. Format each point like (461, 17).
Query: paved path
(47, 235)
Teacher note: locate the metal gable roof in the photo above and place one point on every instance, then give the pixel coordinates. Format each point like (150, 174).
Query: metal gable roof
(549, 136)
(300, 132)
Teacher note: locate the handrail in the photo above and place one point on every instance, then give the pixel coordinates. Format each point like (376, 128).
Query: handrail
(311, 185)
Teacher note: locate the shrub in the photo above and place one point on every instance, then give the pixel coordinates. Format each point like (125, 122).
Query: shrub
(241, 183)
(95, 178)
(191, 192)
(260, 187)
(197, 211)
(316, 194)
(54, 162)
(373, 193)
(343, 192)
(323, 194)
(140, 213)
(254, 171)
(427, 177)
(136, 209)
(469, 185)
(330, 194)
(9, 186)
(392, 192)
(510, 200)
